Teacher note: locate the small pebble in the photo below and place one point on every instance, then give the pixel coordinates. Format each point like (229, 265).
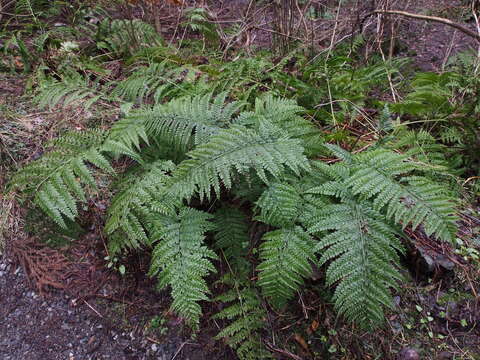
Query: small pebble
(408, 354)
(445, 355)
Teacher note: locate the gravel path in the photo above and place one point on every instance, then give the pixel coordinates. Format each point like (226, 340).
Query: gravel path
(36, 328)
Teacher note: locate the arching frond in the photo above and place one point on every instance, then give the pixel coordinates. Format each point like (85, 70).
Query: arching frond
(361, 253)
(381, 174)
(181, 260)
(286, 255)
(188, 121)
(57, 178)
(235, 151)
(71, 89)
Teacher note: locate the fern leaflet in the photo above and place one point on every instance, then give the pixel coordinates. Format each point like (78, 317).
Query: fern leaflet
(181, 260)
(362, 251)
(286, 255)
(57, 178)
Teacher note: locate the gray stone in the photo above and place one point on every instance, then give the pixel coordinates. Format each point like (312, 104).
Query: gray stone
(409, 354)
(445, 263)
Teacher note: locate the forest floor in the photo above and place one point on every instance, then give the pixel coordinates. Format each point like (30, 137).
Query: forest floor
(81, 310)
(94, 313)
(56, 327)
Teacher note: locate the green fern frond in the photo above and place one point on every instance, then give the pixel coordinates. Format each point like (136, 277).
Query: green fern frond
(141, 83)
(277, 110)
(338, 171)
(242, 78)
(130, 207)
(280, 205)
(381, 174)
(130, 132)
(182, 261)
(57, 178)
(362, 255)
(190, 120)
(123, 37)
(231, 232)
(452, 135)
(247, 320)
(428, 203)
(71, 89)
(235, 151)
(286, 114)
(286, 255)
(385, 123)
(158, 81)
(421, 146)
(431, 95)
(339, 152)
(197, 19)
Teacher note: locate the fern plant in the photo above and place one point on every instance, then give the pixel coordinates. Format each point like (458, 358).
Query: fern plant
(246, 315)
(243, 307)
(197, 19)
(123, 38)
(286, 256)
(192, 156)
(181, 260)
(160, 81)
(73, 88)
(447, 104)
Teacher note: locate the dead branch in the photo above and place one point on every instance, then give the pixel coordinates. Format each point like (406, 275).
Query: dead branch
(431, 18)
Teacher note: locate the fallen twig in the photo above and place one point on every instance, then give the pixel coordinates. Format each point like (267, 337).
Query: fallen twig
(181, 348)
(282, 351)
(440, 20)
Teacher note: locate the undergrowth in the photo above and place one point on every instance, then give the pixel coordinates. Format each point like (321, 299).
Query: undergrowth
(217, 149)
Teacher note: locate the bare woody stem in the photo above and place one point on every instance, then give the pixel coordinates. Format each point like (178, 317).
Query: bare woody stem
(431, 18)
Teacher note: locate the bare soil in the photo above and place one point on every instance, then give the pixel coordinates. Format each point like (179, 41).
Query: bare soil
(115, 322)
(34, 328)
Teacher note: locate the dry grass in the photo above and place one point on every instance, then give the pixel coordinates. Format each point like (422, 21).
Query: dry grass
(7, 224)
